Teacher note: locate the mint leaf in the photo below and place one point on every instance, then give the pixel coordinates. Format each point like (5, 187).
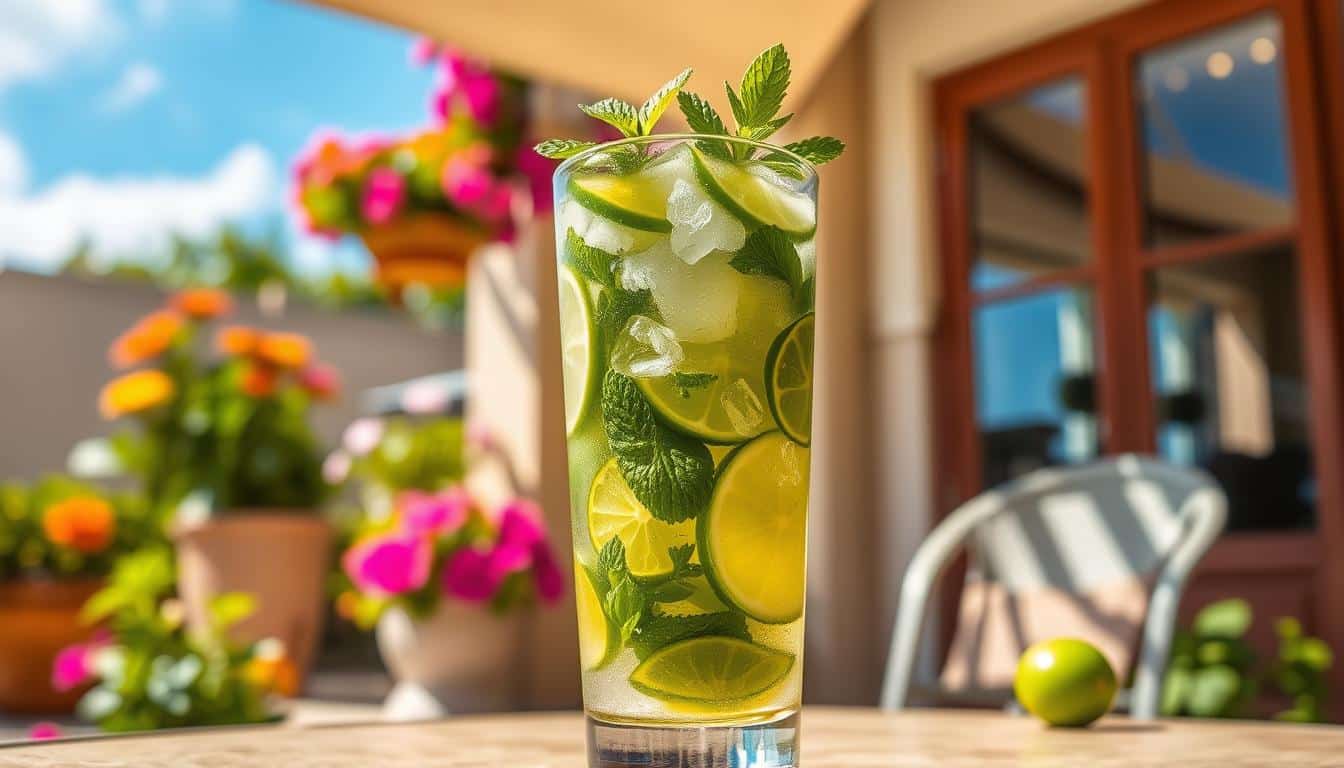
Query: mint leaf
(805, 298)
(700, 115)
(685, 382)
(739, 109)
(616, 306)
(671, 474)
(682, 567)
(625, 605)
(770, 252)
(768, 128)
(817, 149)
(655, 632)
(660, 101)
(616, 113)
(559, 149)
(764, 86)
(593, 263)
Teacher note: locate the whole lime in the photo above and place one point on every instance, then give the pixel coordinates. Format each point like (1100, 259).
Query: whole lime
(1065, 682)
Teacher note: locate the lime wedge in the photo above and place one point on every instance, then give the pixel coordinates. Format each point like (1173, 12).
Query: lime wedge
(753, 537)
(598, 640)
(731, 407)
(614, 512)
(630, 200)
(578, 350)
(788, 379)
(756, 200)
(711, 670)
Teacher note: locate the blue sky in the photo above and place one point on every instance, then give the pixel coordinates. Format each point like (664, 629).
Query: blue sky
(122, 119)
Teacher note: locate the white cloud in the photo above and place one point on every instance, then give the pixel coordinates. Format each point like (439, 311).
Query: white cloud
(132, 216)
(153, 11)
(137, 83)
(13, 166)
(37, 35)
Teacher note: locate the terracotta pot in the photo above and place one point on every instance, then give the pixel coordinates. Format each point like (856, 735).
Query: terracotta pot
(37, 620)
(279, 557)
(427, 249)
(462, 659)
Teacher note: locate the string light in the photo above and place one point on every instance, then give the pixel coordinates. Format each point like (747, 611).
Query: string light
(1263, 50)
(1219, 65)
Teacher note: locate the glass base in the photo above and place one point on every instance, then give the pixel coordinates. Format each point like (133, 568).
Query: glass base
(763, 745)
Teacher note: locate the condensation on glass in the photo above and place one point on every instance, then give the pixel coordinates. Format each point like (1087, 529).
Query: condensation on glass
(1214, 134)
(1029, 182)
(1228, 373)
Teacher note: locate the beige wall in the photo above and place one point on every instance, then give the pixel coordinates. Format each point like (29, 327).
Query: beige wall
(54, 333)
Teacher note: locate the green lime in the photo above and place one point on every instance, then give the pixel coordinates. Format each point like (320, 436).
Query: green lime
(629, 200)
(754, 199)
(614, 512)
(598, 640)
(753, 538)
(1065, 682)
(731, 406)
(711, 670)
(578, 348)
(788, 379)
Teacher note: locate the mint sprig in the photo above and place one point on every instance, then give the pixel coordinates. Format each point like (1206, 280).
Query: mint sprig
(615, 305)
(671, 474)
(558, 149)
(631, 604)
(622, 116)
(770, 252)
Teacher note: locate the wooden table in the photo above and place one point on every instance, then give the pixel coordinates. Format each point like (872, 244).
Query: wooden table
(832, 738)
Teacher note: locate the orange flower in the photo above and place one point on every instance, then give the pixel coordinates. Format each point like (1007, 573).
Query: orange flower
(321, 381)
(146, 340)
(135, 393)
(85, 523)
(202, 303)
(260, 380)
(274, 674)
(284, 350)
(238, 340)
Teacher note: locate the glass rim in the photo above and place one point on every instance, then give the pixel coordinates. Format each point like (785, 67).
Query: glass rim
(804, 163)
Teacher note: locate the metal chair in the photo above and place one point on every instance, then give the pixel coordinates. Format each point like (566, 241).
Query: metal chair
(1070, 532)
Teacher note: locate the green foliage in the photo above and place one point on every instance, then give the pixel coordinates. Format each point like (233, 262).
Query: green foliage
(26, 551)
(559, 149)
(157, 674)
(1214, 672)
(414, 455)
(770, 252)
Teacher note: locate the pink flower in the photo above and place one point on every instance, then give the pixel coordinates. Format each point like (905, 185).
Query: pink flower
(467, 576)
(439, 514)
(73, 666)
(362, 436)
(424, 397)
(482, 94)
(45, 731)
(321, 381)
(466, 183)
(384, 195)
(473, 82)
(549, 579)
(423, 51)
(389, 565)
(336, 467)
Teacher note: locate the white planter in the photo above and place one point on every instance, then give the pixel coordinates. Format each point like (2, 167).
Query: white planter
(463, 659)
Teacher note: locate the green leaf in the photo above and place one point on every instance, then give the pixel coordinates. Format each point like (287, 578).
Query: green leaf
(685, 382)
(660, 101)
(672, 592)
(1314, 653)
(1175, 690)
(764, 86)
(1214, 692)
(593, 263)
(671, 474)
(700, 115)
(1226, 619)
(230, 608)
(817, 149)
(655, 632)
(739, 109)
(770, 252)
(766, 129)
(616, 113)
(559, 149)
(616, 306)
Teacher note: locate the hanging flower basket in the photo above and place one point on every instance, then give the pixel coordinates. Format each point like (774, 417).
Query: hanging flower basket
(427, 249)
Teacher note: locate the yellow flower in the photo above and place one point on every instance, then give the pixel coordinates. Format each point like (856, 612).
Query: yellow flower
(146, 340)
(85, 523)
(135, 393)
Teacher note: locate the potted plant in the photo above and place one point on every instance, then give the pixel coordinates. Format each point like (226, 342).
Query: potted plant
(224, 446)
(422, 204)
(440, 577)
(58, 540)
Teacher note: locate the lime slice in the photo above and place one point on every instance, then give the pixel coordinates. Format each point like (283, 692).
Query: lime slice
(756, 200)
(598, 640)
(628, 200)
(614, 512)
(578, 351)
(711, 670)
(753, 537)
(731, 407)
(788, 379)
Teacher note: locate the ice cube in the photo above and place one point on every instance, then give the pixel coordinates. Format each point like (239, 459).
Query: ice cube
(700, 225)
(646, 349)
(793, 473)
(743, 408)
(596, 231)
(697, 301)
(807, 254)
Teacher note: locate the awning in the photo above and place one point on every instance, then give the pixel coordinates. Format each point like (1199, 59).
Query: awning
(628, 49)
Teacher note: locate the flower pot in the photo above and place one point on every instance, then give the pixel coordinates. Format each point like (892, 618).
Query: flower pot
(280, 558)
(462, 659)
(37, 620)
(427, 249)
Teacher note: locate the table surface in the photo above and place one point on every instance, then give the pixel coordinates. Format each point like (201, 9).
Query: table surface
(832, 738)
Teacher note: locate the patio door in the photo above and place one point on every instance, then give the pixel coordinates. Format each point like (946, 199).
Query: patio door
(1137, 258)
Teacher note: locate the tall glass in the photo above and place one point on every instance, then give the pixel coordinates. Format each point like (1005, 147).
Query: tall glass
(686, 274)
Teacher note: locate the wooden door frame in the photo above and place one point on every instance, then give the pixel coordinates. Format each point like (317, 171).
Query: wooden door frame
(1103, 53)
